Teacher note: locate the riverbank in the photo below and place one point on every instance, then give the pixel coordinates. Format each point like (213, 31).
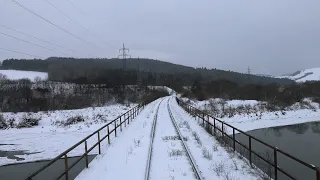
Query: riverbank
(249, 115)
(54, 134)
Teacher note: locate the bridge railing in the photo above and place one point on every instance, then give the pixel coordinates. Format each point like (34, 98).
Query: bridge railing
(215, 126)
(110, 130)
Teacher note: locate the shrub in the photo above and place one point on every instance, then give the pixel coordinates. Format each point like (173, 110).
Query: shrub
(176, 152)
(206, 154)
(72, 120)
(28, 122)
(3, 124)
(197, 138)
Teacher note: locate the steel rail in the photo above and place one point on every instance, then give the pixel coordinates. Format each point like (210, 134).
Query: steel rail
(154, 123)
(189, 155)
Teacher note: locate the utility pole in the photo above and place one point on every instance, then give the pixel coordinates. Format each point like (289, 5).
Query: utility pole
(124, 54)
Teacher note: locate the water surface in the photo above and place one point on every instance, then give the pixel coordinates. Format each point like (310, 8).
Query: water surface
(299, 140)
(23, 170)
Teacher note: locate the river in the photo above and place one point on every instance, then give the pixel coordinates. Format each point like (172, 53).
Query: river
(299, 140)
(23, 170)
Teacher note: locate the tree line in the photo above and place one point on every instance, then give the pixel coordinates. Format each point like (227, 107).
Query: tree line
(147, 71)
(277, 94)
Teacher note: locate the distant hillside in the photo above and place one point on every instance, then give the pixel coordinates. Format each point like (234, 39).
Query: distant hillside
(17, 74)
(158, 72)
(312, 74)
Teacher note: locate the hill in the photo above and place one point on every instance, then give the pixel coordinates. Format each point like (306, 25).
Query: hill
(18, 74)
(312, 74)
(152, 72)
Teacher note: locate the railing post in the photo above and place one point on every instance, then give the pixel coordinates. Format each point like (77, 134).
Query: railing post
(214, 125)
(222, 129)
(120, 124)
(115, 128)
(108, 134)
(99, 142)
(203, 119)
(133, 113)
(124, 121)
(250, 158)
(234, 139)
(86, 151)
(128, 117)
(66, 166)
(275, 163)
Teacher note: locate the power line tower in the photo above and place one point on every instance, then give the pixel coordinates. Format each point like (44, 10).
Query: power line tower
(249, 73)
(123, 55)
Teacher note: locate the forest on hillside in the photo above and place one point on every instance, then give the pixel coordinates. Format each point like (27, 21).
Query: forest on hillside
(144, 71)
(199, 83)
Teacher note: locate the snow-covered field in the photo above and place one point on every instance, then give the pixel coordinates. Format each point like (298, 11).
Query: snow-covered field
(17, 74)
(51, 137)
(126, 157)
(312, 74)
(247, 121)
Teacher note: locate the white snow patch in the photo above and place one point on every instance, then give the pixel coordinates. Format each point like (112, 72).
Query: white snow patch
(312, 74)
(48, 139)
(165, 88)
(17, 74)
(272, 119)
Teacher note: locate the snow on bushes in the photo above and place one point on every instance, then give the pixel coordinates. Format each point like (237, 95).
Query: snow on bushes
(28, 122)
(70, 121)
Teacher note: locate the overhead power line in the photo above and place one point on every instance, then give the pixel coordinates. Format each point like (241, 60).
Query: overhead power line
(75, 6)
(50, 22)
(19, 39)
(21, 53)
(65, 14)
(36, 38)
(86, 29)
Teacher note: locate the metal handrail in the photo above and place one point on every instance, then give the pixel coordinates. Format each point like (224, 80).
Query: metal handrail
(131, 114)
(196, 112)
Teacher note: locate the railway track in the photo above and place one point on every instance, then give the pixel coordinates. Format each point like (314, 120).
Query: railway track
(175, 133)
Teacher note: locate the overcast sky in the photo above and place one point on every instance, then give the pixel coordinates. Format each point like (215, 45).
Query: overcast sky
(271, 36)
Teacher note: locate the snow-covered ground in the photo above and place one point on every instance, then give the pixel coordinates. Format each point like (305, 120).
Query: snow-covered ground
(312, 74)
(126, 158)
(168, 159)
(17, 74)
(51, 137)
(213, 161)
(258, 119)
(165, 88)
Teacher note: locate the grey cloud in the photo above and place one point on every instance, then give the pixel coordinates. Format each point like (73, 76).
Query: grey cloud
(272, 37)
